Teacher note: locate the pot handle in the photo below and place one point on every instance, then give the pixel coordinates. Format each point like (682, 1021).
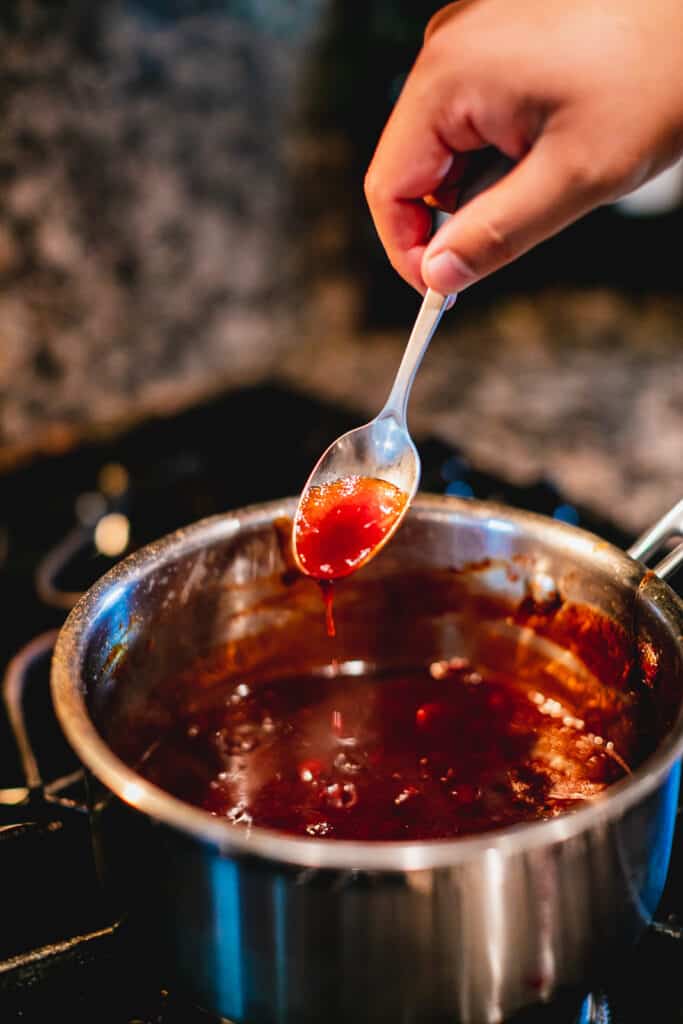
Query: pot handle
(669, 526)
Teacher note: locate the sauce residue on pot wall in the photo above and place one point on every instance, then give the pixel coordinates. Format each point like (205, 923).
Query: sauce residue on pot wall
(483, 738)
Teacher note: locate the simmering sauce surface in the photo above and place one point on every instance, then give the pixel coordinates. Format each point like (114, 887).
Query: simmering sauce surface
(439, 752)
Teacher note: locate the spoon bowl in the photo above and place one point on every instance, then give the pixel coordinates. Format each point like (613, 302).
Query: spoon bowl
(383, 448)
(379, 450)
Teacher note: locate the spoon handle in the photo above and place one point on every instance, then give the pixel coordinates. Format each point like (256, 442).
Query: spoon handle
(484, 168)
(431, 311)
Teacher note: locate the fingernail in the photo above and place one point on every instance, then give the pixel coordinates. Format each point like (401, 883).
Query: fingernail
(446, 272)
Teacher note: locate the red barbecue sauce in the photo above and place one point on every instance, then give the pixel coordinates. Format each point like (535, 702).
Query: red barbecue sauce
(428, 753)
(340, 525)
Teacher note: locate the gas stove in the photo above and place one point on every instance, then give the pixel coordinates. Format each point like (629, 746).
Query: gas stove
(64, 520)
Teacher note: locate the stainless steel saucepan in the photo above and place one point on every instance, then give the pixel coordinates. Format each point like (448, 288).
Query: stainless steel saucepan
(261, 927)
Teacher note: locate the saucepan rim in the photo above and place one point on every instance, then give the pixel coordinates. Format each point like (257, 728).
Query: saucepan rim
(68, 694)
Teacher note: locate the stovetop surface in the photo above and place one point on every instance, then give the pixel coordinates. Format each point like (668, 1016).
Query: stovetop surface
(60, 953)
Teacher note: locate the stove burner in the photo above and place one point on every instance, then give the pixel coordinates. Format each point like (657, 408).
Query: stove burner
(65, 521)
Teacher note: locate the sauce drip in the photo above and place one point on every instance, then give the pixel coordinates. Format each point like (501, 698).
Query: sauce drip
(341, 525)
(328, 601)
(443, 751)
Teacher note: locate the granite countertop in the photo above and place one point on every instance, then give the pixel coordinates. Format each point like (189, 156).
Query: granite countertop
(582, 388)
(144, 259)
(150, 257)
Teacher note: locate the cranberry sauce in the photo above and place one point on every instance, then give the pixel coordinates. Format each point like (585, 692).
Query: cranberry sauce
(341, 524)
(432, 753)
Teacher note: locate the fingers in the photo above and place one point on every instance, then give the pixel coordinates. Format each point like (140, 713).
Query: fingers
(394, 186)
(548, 189)
(411, 161)
(441, 17)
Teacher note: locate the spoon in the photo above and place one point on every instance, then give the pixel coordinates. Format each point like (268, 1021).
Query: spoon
(345, 515)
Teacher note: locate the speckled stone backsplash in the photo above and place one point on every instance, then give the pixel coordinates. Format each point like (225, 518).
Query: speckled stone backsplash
(144, 202)
(181, 212)
(582, 388)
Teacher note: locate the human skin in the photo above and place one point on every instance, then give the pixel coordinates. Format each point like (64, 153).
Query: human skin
(586, 97)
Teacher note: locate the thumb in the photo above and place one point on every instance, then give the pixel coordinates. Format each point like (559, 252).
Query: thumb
(548, 189)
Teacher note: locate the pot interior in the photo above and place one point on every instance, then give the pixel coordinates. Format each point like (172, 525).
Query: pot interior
(557, 607)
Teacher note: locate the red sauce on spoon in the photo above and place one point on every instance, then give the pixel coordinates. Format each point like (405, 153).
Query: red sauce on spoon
(341, 525)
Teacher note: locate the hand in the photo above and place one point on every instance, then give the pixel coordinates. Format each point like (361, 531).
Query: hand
(587, 96)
